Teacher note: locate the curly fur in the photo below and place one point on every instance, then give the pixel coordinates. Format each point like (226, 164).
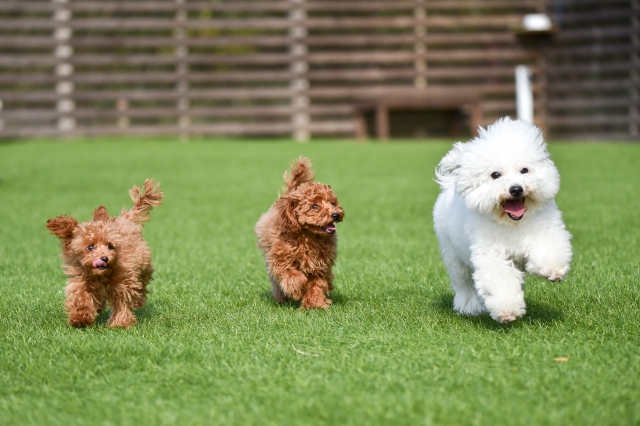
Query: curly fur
(298, 238)
(107, 260)
(496, 218)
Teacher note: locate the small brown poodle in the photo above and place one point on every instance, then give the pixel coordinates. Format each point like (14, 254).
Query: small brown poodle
(298, 238)
(107, 260)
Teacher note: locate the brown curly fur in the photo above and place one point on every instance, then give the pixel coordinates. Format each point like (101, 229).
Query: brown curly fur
(122, 280)
(296, 239)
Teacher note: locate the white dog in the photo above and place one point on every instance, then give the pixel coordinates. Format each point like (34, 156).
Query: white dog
(496, 219)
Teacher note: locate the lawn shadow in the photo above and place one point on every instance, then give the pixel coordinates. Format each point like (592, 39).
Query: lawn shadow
(537, 313)
(142, 315)
(336, 298)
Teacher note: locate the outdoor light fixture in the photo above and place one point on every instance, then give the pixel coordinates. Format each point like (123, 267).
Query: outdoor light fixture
(537, 22)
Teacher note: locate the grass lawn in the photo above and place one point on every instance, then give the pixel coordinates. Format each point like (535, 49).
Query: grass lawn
(211, 347)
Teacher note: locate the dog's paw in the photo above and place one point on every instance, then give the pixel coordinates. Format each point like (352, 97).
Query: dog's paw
(316, 303)
(506, 310)
(122, 319)
(468, 303)
(81, 319)
(557, 274)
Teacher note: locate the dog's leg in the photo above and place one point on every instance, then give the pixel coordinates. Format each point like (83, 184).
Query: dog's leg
(121, 298)
(121, 315)
(549, 255)
(276, 290)
(81, 306)
(329, 283)
(466, 300)
(292, 282)
(315, 296)
(499, 284)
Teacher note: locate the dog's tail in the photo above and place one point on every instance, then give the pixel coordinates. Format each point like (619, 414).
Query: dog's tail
(144, 200)
(300, 173)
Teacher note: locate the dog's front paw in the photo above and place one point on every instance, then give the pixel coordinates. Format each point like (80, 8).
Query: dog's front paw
(557, 274)
(80, 320)
(122, 319)
(506, 310)
(317, 302)
(468, 303)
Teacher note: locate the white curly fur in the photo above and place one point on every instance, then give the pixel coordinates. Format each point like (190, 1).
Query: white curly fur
(486, 251)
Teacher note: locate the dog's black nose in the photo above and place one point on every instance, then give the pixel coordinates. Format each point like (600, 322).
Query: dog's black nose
(335, 216)
(105, 259)
(516, 191)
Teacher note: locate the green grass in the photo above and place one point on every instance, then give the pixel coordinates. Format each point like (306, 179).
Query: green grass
(212, 348)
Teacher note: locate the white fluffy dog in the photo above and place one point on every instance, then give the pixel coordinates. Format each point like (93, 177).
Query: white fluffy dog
(496, 219)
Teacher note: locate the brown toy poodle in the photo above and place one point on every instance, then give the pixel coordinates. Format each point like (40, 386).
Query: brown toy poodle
(107, 260)
(298, 238)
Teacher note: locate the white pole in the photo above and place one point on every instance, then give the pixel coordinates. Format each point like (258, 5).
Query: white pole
(524, 95)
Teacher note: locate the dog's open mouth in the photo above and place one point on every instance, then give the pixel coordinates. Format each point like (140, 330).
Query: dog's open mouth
(100, 264)
(329, 229)
(515, 208)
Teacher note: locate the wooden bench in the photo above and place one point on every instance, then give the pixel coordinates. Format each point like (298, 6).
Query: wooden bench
(382, 101)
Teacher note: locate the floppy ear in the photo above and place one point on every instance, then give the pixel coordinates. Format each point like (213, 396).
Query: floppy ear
(101, 214)
(62, 227)
(448, 166)
(286, 210)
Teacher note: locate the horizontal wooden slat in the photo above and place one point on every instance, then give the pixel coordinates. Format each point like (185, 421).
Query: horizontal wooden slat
(595, 33)
(592, 120)
(576, 134)
(466, 55)
(217, 129)
(598, 16)
(266, 23)
(589, 67)
(328, 6)
(359, 74)
(332, 127)
(243, 93)
(346, 92)
(592, 85)
(227, 111)
(432, 39)
(586, 103)
(593, 50)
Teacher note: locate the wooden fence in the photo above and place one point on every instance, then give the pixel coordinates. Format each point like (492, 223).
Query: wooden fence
(593, 69)
(291, 68)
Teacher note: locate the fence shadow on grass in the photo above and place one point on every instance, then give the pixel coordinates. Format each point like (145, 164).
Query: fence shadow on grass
(537, 313)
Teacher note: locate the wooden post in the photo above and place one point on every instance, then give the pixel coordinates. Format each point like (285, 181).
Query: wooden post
(64, 69)
(382, 121)
(299, 68)
(420, 47)
(634, 116)
(182, 71)
(122, 106)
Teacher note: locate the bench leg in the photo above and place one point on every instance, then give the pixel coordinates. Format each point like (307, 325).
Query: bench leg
(476, 118)
(361, 126)
(382, 122)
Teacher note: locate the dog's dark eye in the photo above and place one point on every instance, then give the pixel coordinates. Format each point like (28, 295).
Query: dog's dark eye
(495, 175)
(90, 247)
(315, 206)
(110, 246)
(525, 170)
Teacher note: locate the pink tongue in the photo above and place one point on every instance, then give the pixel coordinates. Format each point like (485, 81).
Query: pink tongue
(515, 207)
(98, 263)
